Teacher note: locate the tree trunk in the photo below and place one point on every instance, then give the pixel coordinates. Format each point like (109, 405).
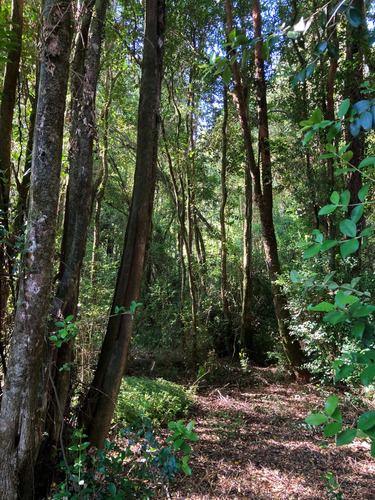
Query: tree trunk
(8, 99)
(100, 402)
(263, 187)
(20, 427)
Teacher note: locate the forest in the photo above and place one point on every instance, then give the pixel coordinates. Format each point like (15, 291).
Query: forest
(187, 288)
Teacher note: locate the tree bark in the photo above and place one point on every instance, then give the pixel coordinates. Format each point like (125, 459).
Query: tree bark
(8, 99)
(262, 180)
(100, 402)
(20, 428)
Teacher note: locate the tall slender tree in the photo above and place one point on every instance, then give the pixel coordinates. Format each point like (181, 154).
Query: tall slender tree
(100, 402)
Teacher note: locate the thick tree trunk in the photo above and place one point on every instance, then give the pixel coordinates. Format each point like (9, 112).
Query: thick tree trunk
(99, 406)
(78, 210)
(20, 428)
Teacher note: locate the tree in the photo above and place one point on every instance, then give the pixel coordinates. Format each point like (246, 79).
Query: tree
(99, 405)
(20, 426)
(262, 180)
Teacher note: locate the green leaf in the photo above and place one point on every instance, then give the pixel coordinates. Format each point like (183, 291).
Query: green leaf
(373, 447)
(367, 161)
(322, 307)
(355, 127)
(354, 16)
(343, 372)
(333, 131)
(357, 213)
(232, 35)
(331, 405)
(348, 227)
(335, 317)
(327, 209)
(186, 449)
(364, 311)
(368, 375)
(316, 117)
(60, 324)
(345, 197)
(346, 437)
(358, 329)
(366, 421)
(347, 156)
(227, 75)
(316, 419)
(177, 444)
(366, 120)
(312, 250)
(308, 137)
(331, 148)
(366, 232)
(190, 425)
(112, 489)
(70, 318)
(361, 106)
(321, 47)
(362, 193)
(343, 108)
(332, 429)
(349, 247)
(333, 51)
(328, 244)
(310, 70)
(335, 198)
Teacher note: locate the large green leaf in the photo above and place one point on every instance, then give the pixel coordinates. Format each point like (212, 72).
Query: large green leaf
(368, 375)
(354, 16)
(357, 213)
(361, 106)
(366, 120)
(364, 310)
(343, 372)
(227, 75)
(367, 161)
(335, 317)
(332, 429)
(355, 127)
(346, 437)
(331, 405)
(316, 419)
(322, 307)
(349, 247)
(366, 421)
(312, 250)
(348, 227)
(343, 108)
(362, 193)
(327, 209)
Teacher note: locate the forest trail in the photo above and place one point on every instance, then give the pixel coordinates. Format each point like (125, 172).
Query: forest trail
(254, 444)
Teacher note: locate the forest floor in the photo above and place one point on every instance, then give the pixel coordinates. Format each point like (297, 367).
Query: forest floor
(254, 442)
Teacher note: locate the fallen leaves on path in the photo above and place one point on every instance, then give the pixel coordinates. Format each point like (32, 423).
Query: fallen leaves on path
(255, 444)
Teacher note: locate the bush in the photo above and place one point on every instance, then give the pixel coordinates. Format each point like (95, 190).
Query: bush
(158, 400)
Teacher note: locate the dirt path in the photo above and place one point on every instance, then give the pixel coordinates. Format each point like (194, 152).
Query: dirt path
(254, 444)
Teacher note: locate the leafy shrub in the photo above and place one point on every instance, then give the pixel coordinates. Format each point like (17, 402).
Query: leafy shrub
(127, 468)
(159, 400)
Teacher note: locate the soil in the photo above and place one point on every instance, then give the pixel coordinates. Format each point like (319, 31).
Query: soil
(254, 443)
